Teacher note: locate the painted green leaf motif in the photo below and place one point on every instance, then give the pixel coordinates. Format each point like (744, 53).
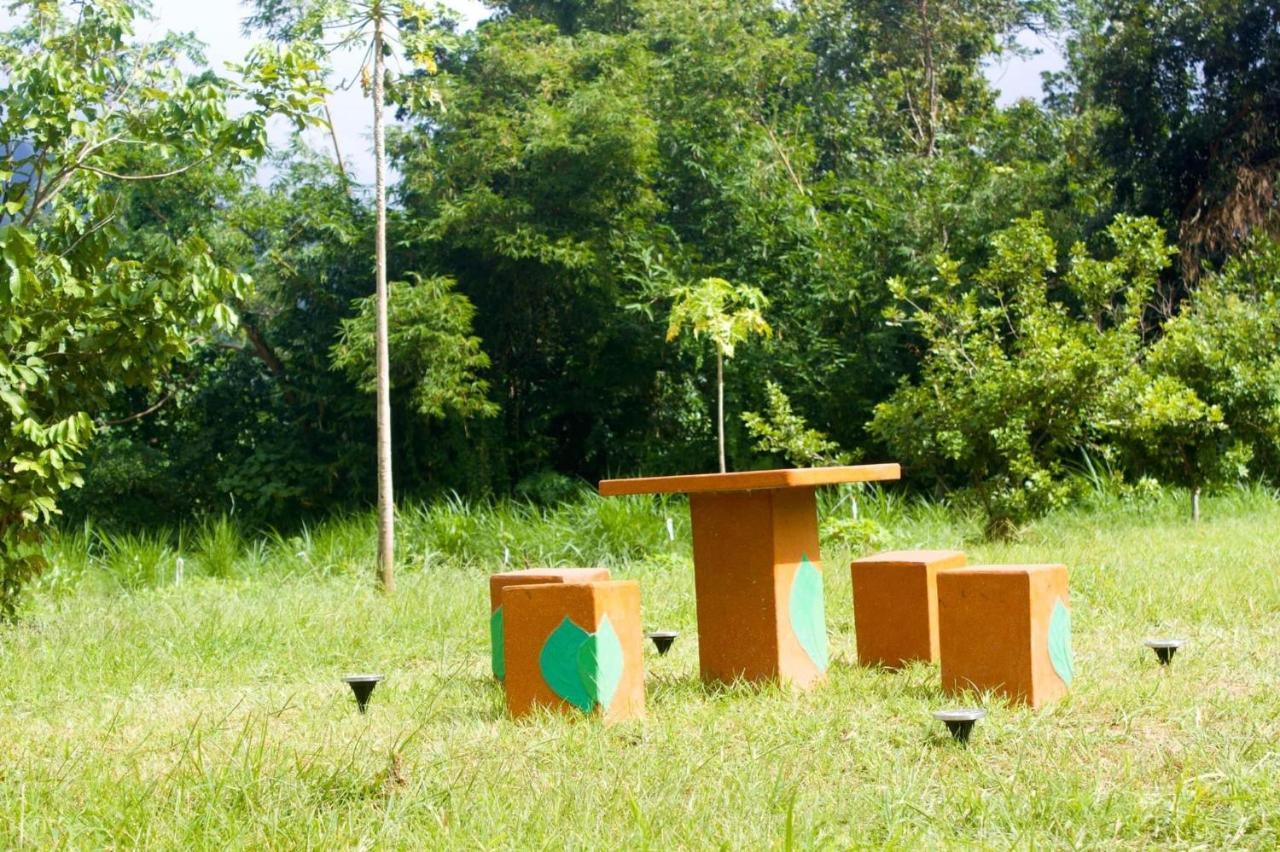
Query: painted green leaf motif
(497, 650)
(1060, 642)
(808, 615)
(559, 664)
(600, 663)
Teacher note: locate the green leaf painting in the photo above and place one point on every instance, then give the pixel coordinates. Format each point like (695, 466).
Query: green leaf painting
(583, 668)
(808, 615)
(1060, 642)
(497, 651)
(600, 663)
(559, 664)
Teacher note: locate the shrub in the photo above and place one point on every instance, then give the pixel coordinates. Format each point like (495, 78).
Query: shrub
(1024, 368)
(1221, 348)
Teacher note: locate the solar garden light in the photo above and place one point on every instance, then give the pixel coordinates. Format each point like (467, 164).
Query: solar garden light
(362, 685)
(663, 640)
(960, 721)
(1165, 648)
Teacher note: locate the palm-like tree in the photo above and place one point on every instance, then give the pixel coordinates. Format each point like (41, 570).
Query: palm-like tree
(728, 314)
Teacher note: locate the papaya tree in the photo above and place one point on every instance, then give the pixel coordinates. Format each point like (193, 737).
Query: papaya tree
(379, 27)
(728, 315)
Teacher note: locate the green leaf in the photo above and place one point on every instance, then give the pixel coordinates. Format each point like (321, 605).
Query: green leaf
(1060, 642)
(497, 650)
(808, 614)
(600, 663)
(559, 665)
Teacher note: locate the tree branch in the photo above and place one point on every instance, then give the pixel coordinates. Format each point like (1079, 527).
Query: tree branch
(157, 176)
(139, 415)
(262, 349)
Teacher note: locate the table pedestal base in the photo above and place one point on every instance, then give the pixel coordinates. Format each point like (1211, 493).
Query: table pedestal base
(759, 586)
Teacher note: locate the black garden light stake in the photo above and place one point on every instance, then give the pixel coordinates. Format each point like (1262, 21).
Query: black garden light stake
(1165, 648)
(362, 685)
(960, 721)
(663, 640)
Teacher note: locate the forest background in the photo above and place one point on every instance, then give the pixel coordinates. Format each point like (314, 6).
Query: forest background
(1001, 297)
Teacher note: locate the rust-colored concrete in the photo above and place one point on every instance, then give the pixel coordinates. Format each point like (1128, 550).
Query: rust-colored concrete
(751, 480)
(895, 605)
(751, 531)
(747, 547)
(531, 576)
(533, 612)
(993, 625)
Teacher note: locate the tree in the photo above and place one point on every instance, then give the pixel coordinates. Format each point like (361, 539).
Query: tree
(921, 61)
(85, 106)
(418, 32)
(726, 314)
(1187, 94)
(572, 16)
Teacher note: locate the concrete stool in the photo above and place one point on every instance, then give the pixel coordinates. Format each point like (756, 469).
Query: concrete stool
(1006, 628)
(895, 605)
(498, 582)
(575, 647)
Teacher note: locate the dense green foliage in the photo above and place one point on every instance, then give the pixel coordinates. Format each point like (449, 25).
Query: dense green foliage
(1222, 347)
(86, 109)
(567, 169)
(1015, 381)
(1186, 94)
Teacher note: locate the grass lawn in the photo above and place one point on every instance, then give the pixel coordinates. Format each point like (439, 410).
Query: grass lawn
(209, 714)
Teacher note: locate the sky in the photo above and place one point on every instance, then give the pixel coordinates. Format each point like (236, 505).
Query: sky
(217, 24)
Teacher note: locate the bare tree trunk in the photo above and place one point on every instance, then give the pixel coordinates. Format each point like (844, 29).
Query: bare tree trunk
(386, 504)
(931, 83)
(720, 405)
(1195, 504)
(337, 151)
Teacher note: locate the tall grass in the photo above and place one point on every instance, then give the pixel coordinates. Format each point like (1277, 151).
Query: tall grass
(586, 530)
(454, 532)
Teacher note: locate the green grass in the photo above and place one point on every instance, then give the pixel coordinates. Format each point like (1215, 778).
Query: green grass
(135, 711)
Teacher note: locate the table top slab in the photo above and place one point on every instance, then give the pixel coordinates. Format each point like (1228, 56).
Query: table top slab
(751, 480)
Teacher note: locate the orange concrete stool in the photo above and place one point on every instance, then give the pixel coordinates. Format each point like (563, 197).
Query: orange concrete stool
(528, 576)
(1006, 628)
(895, 605)
(575, 647)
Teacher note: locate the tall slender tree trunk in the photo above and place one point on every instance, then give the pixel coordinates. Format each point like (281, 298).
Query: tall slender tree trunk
(720, 406)
(931, 83)
(337, 150)
(386, 504)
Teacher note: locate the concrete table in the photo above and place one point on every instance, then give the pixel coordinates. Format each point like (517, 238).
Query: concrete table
(757, 570)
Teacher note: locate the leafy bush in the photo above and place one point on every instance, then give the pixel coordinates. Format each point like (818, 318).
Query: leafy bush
(1024, 368)
(780, 431)
(85, 312)
(1221, 347)
(434, 355)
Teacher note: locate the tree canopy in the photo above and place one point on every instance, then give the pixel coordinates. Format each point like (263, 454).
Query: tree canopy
(983, 291)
